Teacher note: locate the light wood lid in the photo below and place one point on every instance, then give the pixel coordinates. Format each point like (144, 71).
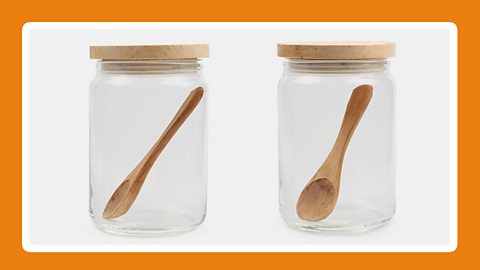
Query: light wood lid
(150, 52)
(337, 50)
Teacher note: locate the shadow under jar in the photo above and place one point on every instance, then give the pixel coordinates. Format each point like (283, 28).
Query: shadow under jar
(135, 94)
(317, 85)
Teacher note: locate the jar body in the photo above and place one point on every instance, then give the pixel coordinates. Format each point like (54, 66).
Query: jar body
(313, 95)
(131, 104)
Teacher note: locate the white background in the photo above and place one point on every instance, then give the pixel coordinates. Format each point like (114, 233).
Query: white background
(242, 73)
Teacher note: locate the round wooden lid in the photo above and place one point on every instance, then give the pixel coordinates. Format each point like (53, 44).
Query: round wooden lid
(337, 50)
(149, 52)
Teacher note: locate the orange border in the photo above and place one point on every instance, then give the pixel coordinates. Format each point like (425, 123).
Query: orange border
(18, 13)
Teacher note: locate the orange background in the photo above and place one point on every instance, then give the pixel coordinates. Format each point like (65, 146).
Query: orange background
(15, 14)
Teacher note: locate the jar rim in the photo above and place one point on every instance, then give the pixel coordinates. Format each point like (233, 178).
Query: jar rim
(321, 66)
(149, 66)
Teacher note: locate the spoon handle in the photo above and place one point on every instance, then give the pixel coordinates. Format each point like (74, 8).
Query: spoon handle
(182, 114)
(356, 106)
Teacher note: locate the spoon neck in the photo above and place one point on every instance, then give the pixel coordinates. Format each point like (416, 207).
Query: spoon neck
(332, 167)
(343, 139)
(334, 161)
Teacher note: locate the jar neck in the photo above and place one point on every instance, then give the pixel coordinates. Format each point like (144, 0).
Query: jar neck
(336, 66)
(150, 67)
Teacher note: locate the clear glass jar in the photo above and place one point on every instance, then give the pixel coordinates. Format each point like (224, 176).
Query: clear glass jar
(132, 102)
(313, 96)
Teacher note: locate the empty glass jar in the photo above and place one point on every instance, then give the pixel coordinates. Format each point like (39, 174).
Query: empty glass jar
(134, 100)
(326, 183)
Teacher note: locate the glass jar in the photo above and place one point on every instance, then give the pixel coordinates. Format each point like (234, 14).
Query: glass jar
(318, 82)
(134, 97)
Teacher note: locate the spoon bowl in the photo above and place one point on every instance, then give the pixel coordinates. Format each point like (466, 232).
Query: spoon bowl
(318, 196)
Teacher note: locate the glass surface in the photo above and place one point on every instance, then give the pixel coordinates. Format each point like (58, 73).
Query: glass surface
(312, 98)
(131, 104)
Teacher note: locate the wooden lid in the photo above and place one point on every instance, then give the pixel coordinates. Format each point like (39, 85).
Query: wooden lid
(337, 50)
(149, 52)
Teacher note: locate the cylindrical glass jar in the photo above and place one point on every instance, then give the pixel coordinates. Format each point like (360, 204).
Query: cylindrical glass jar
(134, 96)
(316, 86)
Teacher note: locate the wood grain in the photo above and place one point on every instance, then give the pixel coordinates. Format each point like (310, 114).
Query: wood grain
(150, 52)
(337, 50)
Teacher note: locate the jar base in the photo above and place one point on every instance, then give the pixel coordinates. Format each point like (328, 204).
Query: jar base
(149, 224)
(131, 231)
(319, 228)
(344, 220)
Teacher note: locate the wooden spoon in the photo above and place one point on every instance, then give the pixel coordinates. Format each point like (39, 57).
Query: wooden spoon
(319, 196)
(124, 196)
